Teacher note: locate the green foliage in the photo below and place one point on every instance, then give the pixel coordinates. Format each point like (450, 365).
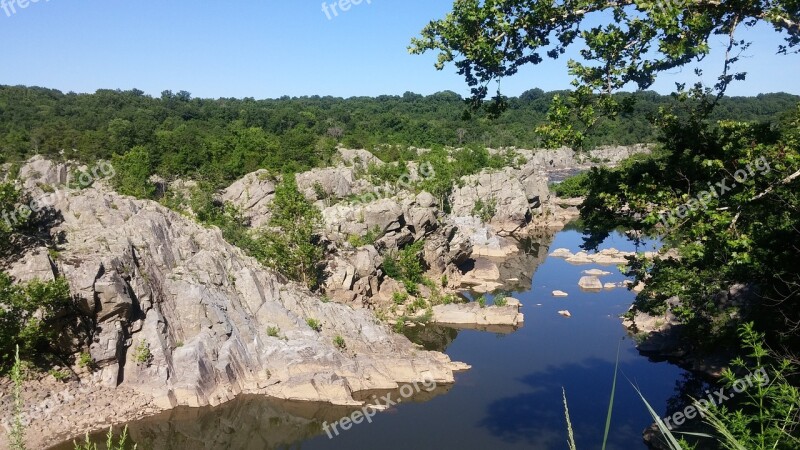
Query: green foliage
(27, 312)
(142, 353)
(485, 210)
(574, 186)
(60, 375)
(273, 331)
(85, 360)
(120, 444)
(501, 299)
(481, 301)
(133, 171)
(406, 266)
(314, 324)
(766, 414)
(16, 435)
(338, 341)
(399, 298)
(292, 245)
(369, 238)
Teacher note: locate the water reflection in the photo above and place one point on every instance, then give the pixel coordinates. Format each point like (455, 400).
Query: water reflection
(248, 423)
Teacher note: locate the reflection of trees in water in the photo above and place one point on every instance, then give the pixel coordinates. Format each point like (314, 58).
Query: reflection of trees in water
(432, 337)
(247, 423)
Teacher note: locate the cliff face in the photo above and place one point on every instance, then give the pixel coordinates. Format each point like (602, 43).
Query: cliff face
(177, 316)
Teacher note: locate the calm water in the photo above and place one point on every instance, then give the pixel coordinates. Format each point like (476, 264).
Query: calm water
(511, 399)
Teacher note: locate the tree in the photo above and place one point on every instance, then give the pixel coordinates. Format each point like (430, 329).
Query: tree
(27, 311)
(491, 39)
(133, 171)
(292, 245)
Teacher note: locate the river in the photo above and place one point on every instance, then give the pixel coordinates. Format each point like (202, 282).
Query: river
(510, 399)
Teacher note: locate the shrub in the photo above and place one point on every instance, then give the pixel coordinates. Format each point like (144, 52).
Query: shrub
(399, 297)
(295, 250)
(485, 210)
(85, 360)
(574, 186)
(27, 311)
(142, 353)
(314, 324)
(482, 301)
(273, 331)
(501, 299)
(338, 341)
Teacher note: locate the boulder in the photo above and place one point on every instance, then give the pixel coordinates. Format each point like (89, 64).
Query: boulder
(331, 182)
(560, 294)
(253, 195)
(590, 283)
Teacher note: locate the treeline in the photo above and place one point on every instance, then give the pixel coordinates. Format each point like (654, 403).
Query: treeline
(221, 139)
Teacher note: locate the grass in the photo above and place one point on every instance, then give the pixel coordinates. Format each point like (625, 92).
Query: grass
(314, 324)
(338, 341)
(501, 299)
(121, 443)
(273, 331)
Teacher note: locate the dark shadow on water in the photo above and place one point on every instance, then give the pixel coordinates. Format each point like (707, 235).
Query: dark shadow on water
(537, 417)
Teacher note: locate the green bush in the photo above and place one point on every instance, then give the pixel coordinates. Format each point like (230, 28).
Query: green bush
(574, 186)
(142, 353)
(295, 250)
(27, 313)
(338, 341)
(273, 331)
(314, 324)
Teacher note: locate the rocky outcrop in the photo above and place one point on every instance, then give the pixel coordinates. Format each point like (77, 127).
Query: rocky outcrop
(330, 182)
(182, 318)
(252, 195)
(508, 198)
(469, 315)
(605, 257)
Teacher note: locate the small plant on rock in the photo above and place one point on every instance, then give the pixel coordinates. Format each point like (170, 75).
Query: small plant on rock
(273, 331)
(314, 324)
(338, 341)
(142, 354)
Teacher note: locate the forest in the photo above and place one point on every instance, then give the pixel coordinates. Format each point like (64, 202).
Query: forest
(220, 140)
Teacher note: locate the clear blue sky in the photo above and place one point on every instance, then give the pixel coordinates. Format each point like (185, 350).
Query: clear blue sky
(268, 48)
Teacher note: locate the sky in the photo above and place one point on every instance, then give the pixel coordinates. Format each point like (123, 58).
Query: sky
(269, 48)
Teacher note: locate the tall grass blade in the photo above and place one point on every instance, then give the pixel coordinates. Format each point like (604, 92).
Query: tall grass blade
(570, 433)
(668, 436)
(611, 400)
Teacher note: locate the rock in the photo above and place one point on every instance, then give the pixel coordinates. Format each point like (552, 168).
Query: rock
(333, 182)
(511, 301)
(343, 220)
(561, 253)
(610, 286)
(596, 272)
(472, 314)
(202, 309)
(565, 313)
(590, 283)
(358, 158)
(560, 294)
(253, 195)
(504, 192)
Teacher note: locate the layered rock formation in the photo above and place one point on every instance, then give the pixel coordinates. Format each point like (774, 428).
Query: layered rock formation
(179, 317)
